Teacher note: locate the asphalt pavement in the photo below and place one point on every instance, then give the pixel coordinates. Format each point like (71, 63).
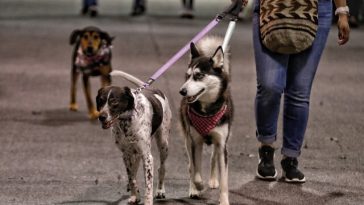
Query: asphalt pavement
(49, 155)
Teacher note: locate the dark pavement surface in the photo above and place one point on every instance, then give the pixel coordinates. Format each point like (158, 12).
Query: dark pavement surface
(49, 155)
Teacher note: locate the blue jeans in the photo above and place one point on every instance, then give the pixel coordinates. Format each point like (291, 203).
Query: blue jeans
(290, 75)
(88, 3)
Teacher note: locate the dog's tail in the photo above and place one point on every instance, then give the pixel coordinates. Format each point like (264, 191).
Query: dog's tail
(128, 77)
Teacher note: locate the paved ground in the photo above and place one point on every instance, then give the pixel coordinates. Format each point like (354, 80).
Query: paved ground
(49, 155)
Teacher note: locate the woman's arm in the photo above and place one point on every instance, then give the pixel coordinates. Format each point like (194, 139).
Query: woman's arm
(343, 22)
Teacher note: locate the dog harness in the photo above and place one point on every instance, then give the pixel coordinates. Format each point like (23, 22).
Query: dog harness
(89, 64)
(203, 123)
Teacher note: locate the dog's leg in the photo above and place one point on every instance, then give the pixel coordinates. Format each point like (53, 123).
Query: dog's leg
(148, 175)
(223, 168)
(194, 151)
(93, 114)
(105, 80)
(131, 165)
(162, 143)
(198, 160)
(105, 77)
(214, 181)
(74, 77)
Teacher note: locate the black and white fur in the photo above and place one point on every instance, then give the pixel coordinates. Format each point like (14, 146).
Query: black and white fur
(206, 90)
(135, 118)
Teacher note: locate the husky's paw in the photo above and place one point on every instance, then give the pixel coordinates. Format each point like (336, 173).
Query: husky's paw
(214, 183)
(133, 200)
(199, 185)
(224, 203)
(160, 195)
(194, 193)
(73, 107)
(195, 196)
(224, 200)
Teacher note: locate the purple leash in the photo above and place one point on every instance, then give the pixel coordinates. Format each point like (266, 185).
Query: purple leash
(232, 10)
(179, 54)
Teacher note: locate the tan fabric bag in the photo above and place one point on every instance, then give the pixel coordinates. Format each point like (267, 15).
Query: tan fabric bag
(288, 26)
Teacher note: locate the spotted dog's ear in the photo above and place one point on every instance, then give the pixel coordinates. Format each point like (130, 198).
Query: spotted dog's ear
(129, 97)
(74, 36)
(104, 35)
(194, 51)
(98, 99)
(218, 58)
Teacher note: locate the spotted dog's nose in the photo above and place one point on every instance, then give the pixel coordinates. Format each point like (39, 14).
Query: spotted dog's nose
(102, 117)
(183, 92)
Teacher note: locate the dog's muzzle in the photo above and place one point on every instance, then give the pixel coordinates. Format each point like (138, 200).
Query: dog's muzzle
(183, 92)
(106, 124)
(89, 51)
(190, 99)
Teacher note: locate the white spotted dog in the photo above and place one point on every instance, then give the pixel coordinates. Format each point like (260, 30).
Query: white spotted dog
(206, 114)
(136, 117)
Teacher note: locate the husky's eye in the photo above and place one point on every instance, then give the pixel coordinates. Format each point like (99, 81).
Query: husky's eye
(187, 76)
(198, 76)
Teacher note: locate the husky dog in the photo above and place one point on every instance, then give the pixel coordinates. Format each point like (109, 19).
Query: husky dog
(206, 114)
(136, 118)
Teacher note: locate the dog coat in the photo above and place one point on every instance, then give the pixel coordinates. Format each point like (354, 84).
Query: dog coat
(204, 124)
(88, 64)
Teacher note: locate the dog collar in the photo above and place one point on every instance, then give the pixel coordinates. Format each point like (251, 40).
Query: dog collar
(203, 123)
(88, 62)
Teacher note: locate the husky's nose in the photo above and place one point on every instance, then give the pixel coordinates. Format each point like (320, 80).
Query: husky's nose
(183, 92)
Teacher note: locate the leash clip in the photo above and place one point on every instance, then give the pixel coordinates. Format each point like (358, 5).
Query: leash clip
(145, 85)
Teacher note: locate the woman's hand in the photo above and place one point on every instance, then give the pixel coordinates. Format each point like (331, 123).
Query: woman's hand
(344, 29)
(245, 2)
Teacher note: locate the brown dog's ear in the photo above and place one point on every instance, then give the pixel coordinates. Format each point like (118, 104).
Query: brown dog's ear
(194, 51)
(74, 35)
(106, 37)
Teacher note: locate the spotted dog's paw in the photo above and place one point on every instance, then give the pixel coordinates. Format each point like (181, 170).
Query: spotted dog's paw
(133, 200)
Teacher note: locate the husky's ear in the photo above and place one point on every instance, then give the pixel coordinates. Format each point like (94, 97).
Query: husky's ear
(194, 51)
(218, 58)
(74, 36)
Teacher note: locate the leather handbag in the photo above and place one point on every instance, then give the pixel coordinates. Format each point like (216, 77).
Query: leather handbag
(288, 26)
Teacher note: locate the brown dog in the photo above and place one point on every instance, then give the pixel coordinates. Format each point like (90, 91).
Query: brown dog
(91, 57)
